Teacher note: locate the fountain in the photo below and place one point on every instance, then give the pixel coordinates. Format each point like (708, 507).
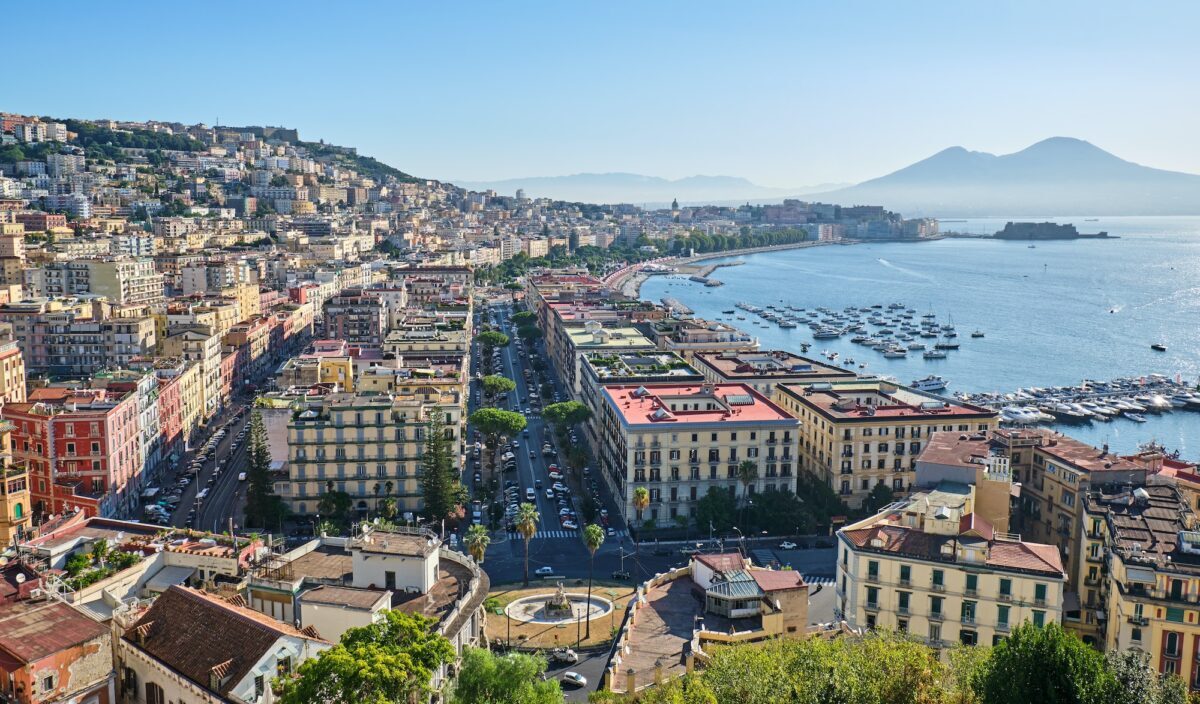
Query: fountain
(559, 607)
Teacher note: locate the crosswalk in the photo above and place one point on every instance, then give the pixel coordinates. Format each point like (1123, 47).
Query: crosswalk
(572, 534)
(818, 579)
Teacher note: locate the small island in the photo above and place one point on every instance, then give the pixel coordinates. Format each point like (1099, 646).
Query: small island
(1044, 231)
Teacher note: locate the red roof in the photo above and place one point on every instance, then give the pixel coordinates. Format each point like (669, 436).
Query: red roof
(693, 403)
(777, 580)
(33, 630)
(723, 562)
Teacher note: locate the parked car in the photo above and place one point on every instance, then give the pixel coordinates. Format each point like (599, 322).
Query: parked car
(542, 571)
(574, 679)
(564, 655)
(787, 545)
(569, 525)
(620, 574)
(549, 493)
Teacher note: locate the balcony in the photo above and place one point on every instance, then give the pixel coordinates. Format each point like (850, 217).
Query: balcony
(938, 616)
(1003, 626)
(905, 582)
(872, 606)
(971, 592)
(873, 577)
(968, 619)
(902, 610)
(938, 587)
(1138, 620)
(1004, 597)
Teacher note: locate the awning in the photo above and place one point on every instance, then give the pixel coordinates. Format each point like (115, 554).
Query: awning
(168, 577)
(1139, 574)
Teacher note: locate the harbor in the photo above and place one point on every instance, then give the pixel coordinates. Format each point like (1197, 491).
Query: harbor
(1091, 401)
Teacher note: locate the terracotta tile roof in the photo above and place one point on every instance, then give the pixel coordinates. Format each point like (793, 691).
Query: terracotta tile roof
(777, 580)
(33, 630)
(197, 634)
(723, 562)
(976, 525)
(1025, 556)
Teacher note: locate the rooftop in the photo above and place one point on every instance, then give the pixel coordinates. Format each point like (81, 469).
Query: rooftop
(693, 403)
(33, 630)
(642, 366)
(769, 364)
(344, 596)
(395, 543)
(1152, 524)
(873, 398)
(615, 337)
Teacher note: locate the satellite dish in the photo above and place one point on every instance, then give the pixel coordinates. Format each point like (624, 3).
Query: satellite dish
(20, 578)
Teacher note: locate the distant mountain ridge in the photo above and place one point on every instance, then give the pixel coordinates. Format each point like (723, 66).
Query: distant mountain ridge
(1057, 176)
(620, 187)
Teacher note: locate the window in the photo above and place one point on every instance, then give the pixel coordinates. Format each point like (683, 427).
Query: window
(972, 583)
(968, 637)
(1136, 636)
(1002, 615)
(935, 606)
(905, 574)
(939, 579)
(1171, 644)
(259, 686)
(902, 601)
(1039, 593)
(48, 681)
(154, 694)
(1006, 587)
(935, 633)
(870, 621)
(902, 625)
(873, 569)
(1039, 618)
(872, 598)
(968, 612)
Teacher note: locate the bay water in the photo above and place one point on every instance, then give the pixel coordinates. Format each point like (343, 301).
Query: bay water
(1053, 314)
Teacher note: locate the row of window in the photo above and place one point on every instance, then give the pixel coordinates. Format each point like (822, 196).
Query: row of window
(694, 473)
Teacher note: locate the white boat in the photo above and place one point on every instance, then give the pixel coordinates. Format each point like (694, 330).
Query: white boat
(1136, 417)
(934, 354)
(932, 382)
(895, 353)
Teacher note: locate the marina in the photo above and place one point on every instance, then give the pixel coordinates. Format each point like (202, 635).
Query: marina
(1091, 401)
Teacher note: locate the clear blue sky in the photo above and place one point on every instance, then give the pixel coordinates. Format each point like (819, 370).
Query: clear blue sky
(784, 93)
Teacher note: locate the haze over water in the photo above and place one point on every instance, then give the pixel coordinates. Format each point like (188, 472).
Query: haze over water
(1055, 314)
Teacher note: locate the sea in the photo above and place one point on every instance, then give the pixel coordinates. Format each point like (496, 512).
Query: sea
(1053, 314)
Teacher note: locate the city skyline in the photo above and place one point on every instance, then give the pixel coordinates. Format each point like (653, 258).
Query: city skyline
(785, 96)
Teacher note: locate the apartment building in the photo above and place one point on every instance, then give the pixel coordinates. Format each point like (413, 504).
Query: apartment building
(426, 339)
(358, 442)
(766, 369)
(82, 449)
(356, 316)
(1141, 576)
(74, 337)
(594, 337)
(856, 435)
(931, 566)
(199, 344)
(680, 440)
(12, 369)
(327, 362)
(690, 336)
(1055, 471)
(123, 281)
(16, 509)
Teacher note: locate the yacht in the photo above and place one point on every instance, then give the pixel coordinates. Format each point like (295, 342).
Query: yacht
(916, 346)
(895, 353)
(1136, 417)
(932, 382)
(934, 354)
(827, 334)
(977, 333)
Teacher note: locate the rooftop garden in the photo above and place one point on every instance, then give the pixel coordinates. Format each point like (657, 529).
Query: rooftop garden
(86, 568)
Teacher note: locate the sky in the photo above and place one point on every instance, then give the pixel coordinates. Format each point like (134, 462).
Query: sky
(786, 94)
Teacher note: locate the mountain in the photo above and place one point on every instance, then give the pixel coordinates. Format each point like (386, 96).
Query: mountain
(1057, 176)
(640, 190)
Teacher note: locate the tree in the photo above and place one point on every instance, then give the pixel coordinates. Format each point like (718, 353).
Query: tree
(490, 340)
(781, 512)
(440, 488)
(494, 422)
(523, 318)
(1138, 682)
(1044, 664)
(641, 499)
(477, 541)
(263, 508)
(335, 505)
(879, 497)
(716, 509)
(514, 678)
(494, 384)
(565, 414)
(747, 474)
(593, 538)
(527, 522)
(390, 661)
(99, 552)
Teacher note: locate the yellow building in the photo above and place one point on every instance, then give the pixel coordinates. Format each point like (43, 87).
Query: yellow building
(932, 567)
(856, 435)
(15, 515)
(328, 362)
(1143, 556)
(368, 445)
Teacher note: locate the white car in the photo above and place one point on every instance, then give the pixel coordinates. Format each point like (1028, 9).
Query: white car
(787, 545)
(544, 570)
(574, 679)
(569, 525)
(549, 493)
(559, 486)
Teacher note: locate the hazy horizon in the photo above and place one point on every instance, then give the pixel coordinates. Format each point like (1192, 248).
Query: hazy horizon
(784, 95)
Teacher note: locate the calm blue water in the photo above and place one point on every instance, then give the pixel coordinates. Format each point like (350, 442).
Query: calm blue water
(1055, 314)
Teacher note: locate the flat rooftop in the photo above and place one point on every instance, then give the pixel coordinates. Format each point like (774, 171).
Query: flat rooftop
(954, 449)
(872, 399)
(769, 364)
(654, 404)
(615, 337)
(642, 366)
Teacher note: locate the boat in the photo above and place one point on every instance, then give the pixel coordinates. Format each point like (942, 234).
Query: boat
(895, 353)
(934, 354)
(728, 312)
(946, 345)
(1158, 347)
(786, 324)
(1033, 246)
(977, 333)
(932, 382)
(1136, 417)
(827, 334)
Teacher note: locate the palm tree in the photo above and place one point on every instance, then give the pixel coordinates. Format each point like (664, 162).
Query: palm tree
(593, 538)
(527, 523)
(477, 541)
(641, 499)
(378, 490)
(747, 474)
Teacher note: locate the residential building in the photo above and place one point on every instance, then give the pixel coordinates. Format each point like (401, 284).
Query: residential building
(75, 337)
(594, 337)
(689, 336)
(178, 650)
(680, 440)
(356, 316)
(50, 652)
(12, 369)
(16, 507)
(367, 445)
(931, 566)
(765, 369)
(857, 435)
(1141, 576)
